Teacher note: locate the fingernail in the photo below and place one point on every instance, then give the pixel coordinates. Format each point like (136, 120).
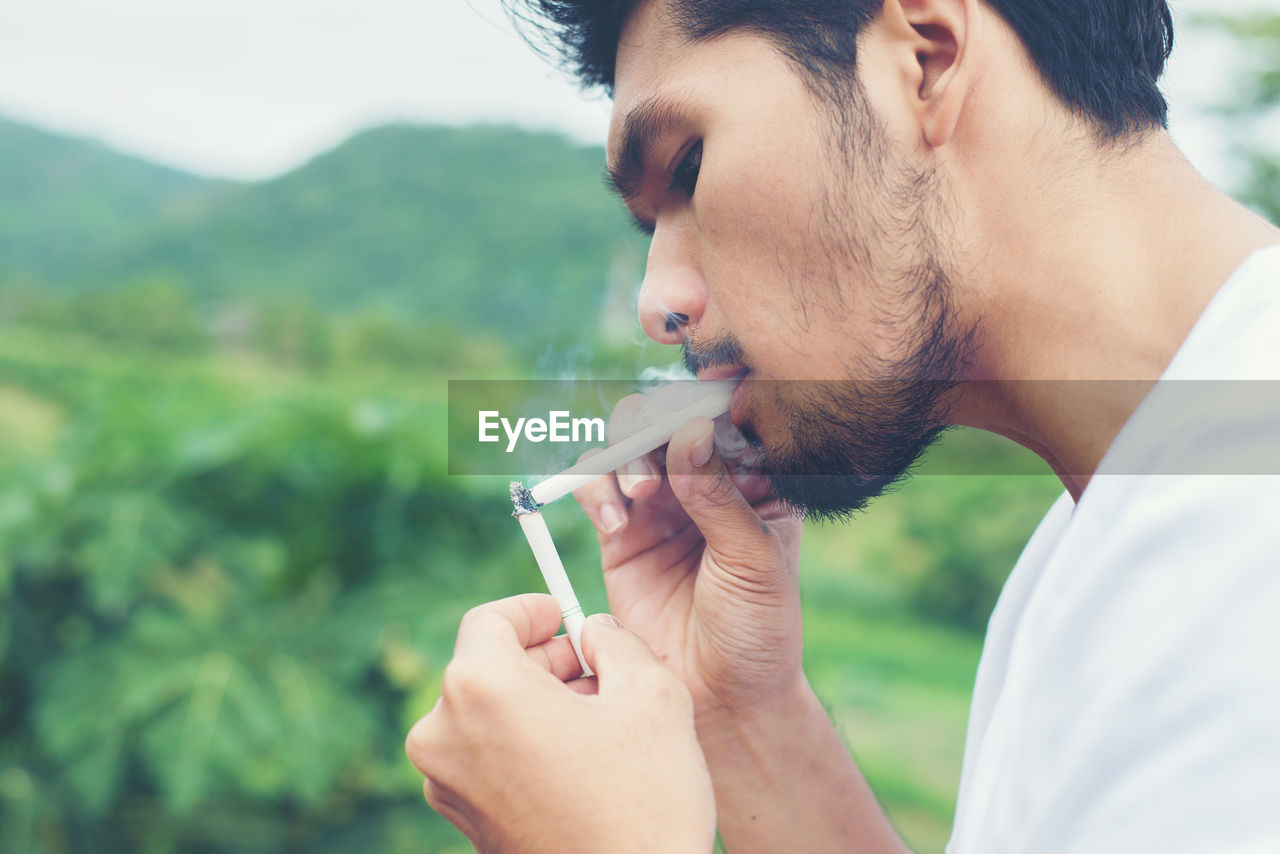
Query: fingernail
(612, 518)
(604, 620)
(701, 450)
(636, 473)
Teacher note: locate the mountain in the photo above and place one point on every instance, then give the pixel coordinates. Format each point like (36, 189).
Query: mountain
(483, 226)
(466, 225)
(64, 199)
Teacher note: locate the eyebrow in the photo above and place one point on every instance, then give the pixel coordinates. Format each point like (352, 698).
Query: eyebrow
(642, 126)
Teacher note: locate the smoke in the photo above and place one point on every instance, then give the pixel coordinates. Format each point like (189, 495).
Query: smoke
(672, 387)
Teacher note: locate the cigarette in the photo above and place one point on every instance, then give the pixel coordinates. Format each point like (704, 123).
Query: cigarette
(712, 401)
(544, 552)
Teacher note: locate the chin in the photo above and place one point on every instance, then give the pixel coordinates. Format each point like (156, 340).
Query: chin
(829, 449)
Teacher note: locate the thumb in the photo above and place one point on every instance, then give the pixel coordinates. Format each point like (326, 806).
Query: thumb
(702, 484)
(618, 657)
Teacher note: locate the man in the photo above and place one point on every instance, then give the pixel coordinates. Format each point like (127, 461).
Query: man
(934, 212)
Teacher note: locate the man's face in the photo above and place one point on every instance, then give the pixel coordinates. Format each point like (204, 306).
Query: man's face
(794, 243)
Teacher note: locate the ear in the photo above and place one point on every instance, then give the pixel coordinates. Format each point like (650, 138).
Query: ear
(945, 34)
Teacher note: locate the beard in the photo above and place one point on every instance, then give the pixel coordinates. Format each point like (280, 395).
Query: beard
(834, 446)
(847, 442)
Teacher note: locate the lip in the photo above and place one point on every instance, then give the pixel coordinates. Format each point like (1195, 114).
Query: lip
(738, 403)
(735, 374)
(725, 372)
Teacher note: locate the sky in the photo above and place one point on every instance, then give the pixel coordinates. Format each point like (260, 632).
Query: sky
(248, 89)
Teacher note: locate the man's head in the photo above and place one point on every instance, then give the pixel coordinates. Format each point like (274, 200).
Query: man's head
(808, 171)
(1100, 57)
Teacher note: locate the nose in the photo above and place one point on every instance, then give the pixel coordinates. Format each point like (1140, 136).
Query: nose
(673, 295)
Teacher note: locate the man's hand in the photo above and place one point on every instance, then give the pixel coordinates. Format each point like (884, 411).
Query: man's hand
(521, 761)
(705, 577)
(703, 566)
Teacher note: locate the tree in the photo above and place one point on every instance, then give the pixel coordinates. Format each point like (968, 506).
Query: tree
(1254, 107)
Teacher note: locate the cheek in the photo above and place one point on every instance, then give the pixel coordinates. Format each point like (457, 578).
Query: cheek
(757, 253)
(777, 273)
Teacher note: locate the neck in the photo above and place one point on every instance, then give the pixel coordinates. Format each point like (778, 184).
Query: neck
(1099, 275)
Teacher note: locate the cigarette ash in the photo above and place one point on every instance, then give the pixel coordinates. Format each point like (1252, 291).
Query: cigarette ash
(522, 498)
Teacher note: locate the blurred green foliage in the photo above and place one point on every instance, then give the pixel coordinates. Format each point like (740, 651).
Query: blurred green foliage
(224, 601)
(231, 558)
(1252, 109)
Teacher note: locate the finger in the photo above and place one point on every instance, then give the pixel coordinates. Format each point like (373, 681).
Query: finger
(641, 477)
(508, 626)
(620, 659)
(754, 486)
(628, 527)
(419, 744)
(702, 484)
(557, 657)
(587, 686)
(602, 501)
(742, 460)
(442, 802)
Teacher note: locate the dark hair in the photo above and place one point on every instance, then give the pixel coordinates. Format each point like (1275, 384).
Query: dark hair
(1101, 57)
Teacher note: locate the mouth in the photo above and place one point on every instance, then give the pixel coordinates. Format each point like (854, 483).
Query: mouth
(736, 374)
(722, 373)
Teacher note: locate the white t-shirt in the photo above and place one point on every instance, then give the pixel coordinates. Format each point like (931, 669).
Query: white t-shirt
(1128, 698)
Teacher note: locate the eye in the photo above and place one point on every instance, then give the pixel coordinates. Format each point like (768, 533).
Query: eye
(685, 177)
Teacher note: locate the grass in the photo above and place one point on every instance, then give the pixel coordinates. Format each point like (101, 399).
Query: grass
(898, 690)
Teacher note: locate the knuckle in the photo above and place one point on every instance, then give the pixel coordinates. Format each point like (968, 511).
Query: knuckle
(451, 805)
(659, 682)
(762, 555)
(422, 744)
(718, 490)
(672, 695)
(469, 620)
(474, 617)
(462, 684)
(756, 573)
(437, 798)
(413, 744)
(484, 619)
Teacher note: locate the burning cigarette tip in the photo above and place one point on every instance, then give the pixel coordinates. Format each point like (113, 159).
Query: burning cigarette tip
(522, 498)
